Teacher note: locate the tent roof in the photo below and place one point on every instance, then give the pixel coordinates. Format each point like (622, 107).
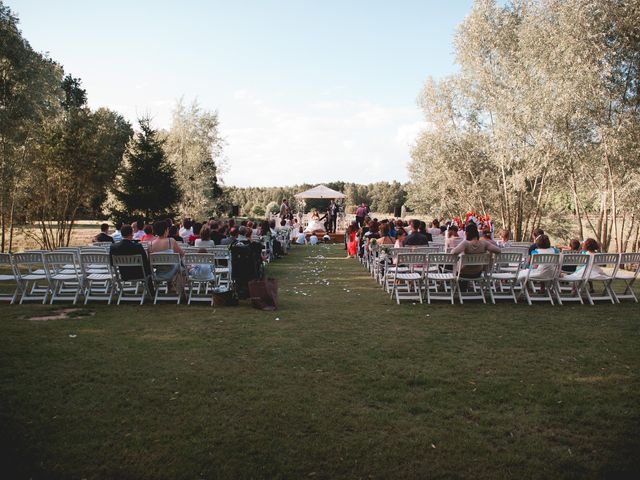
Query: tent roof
(319, 191)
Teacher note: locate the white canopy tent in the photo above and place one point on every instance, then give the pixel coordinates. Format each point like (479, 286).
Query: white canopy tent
(319, 191)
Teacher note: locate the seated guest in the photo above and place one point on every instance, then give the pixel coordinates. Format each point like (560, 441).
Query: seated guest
(452, 239)
(573, 247)
(138, 230)
(173, 233)
(186, 231)
(103, 236)
(471, 245)
(313, 239)
(383, 235)
(217, 233)
(504, 241)
(117, 235)
(486, 235)
(127, 246)
(300, 238)
(423, 229)
(401, 236)
(534, 235)
(416, 237)
(232, 238)
(435, 228)
(148, 233)
(542, 246)
(164, 244)
(205, 238)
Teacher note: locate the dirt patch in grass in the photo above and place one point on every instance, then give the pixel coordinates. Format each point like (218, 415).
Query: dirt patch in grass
(64, 314)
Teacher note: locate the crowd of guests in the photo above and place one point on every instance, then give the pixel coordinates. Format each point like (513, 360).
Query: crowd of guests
(166, 236)
(471, 238)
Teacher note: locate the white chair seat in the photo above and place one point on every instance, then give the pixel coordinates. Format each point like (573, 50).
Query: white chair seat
(408, 276)
(7, 277)
(99, 276)
(34, 276)
(441, 276)
(504, 275)
(625, 275)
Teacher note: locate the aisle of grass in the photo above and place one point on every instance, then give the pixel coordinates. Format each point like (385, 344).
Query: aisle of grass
(339, 383)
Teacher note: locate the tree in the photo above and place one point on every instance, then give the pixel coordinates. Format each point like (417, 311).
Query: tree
(75, 158)
(193, 144)
(147, 185)
(29, 89)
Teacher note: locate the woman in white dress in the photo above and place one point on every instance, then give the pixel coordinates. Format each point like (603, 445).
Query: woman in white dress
(315, 225)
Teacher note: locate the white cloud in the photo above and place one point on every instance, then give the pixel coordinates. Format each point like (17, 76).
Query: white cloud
(325, 140)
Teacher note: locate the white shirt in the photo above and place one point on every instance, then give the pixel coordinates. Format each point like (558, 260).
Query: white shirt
(138, 235)
(185, 234)
(204, 243)
(313, 240)
(117, 236)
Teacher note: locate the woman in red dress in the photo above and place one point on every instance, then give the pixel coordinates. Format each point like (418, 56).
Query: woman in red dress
(352, 240)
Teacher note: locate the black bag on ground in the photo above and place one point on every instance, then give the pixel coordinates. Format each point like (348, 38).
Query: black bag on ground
(264, 293)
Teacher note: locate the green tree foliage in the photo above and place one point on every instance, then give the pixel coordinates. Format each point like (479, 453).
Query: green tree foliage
(147, 185)
(76, 157)
(192, 145)
(546, 102)
(29, 88)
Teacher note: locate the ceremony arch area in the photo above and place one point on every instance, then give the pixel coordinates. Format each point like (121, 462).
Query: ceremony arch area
(320, 192)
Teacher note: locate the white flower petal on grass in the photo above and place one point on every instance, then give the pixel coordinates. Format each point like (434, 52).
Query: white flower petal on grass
(72, 335)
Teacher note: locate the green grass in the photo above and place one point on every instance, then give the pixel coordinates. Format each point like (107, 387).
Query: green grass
(343, 385)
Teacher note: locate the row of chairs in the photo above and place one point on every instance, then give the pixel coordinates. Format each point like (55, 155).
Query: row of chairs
(69, 274)
(421, 273)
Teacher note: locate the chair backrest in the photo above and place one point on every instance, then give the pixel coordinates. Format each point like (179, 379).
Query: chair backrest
(27, 262)
(442, 259)
(522, 250)
(574, 259)
(507, 258)
(102, 244)
(129, 267)
(631, 259)
(546, 264)
(200, 259)
(5, 259)
(93, 260)
(475, 259)
(409, 259)
(521, 244)
(162, 258)
(603, 259)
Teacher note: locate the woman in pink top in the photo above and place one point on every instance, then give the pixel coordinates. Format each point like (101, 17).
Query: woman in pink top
(472, 245)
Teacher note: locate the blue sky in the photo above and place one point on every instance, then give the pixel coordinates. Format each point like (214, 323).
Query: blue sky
(307, 91)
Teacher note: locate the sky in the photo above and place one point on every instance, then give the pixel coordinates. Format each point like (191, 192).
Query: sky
(306, 91)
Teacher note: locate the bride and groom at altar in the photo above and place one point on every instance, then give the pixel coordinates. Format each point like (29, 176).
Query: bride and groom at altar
(316, 223)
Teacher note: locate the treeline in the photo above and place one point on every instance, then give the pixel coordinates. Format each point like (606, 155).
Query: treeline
(60, 160)
(541, 125)
(382, 197)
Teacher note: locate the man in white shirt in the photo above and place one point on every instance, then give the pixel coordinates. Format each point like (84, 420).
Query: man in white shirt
(186, 229)
(117, 235)
(313, 239)
(137, 226)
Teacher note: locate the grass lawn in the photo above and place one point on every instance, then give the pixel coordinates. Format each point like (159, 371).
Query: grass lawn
(339, 383)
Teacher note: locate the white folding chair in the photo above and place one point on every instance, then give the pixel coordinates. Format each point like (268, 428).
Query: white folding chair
(64, 276)
(131, 278)
(569, 286)
(603, 268)
(440, 277)
(223, 266)
(540, 277)
(102, 244)
(201, 279)
(628, 276)
(503, 276)
(29, 269)
(8, 276)
(99, 280)
(164, 268)
(475, 285)
(408, 285)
